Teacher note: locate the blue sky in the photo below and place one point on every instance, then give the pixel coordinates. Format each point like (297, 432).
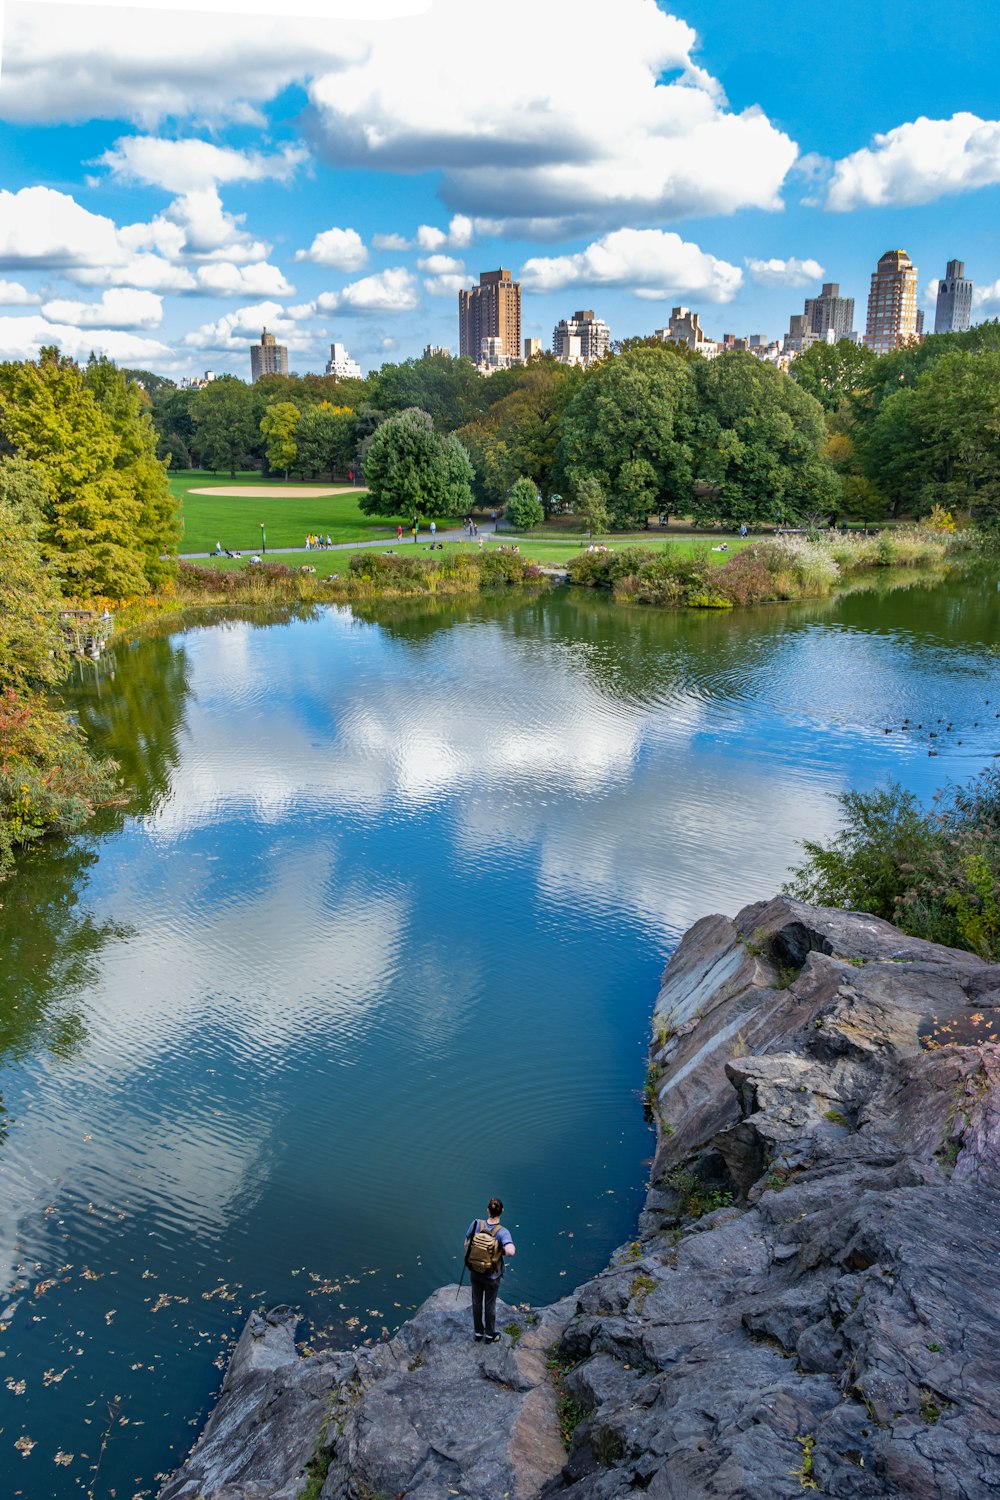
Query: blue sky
(170, 181)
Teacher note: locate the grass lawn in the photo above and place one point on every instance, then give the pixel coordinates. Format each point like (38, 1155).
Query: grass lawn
(543, 551)
(235, 521)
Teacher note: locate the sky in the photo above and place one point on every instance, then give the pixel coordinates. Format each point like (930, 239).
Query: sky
(173, 180)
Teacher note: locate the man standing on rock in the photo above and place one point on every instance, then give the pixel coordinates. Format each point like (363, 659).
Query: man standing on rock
(487, 1245)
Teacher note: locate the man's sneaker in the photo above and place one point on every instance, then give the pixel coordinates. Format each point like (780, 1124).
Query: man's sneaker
(478, 1337)
(493, 1338)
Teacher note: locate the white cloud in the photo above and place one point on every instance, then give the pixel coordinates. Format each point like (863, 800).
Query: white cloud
(458, 235)
(196, 226)
(790, 272)
(518, 142)
(138, 63)
(526, 142)
(917, 162)
(391, 242)
(188, 165)
(655, 263)
(440, 265)
(117, 308)
(930, 292)
(223, 279)
(21, 338)
(43, 229)
(986, 298)
(447, 285)
(389, 291)
(13, 294)
(343, 249)
(234, 332)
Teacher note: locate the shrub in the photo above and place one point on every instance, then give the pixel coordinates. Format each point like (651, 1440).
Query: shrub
(524, 508)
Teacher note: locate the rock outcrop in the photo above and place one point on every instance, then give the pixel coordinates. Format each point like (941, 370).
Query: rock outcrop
(811, 1301)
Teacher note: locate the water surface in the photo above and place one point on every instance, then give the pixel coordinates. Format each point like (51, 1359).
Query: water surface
(381, 937)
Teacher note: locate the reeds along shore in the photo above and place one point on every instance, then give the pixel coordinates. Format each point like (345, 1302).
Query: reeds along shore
(774, 569)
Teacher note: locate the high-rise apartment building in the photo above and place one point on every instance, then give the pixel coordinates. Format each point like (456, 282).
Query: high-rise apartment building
(581, 339)
(830, 312)
(342, 365)
(532, 349)
(685, 328)
(268, 357)
(892, 303)
(491, 310)
(954, 300)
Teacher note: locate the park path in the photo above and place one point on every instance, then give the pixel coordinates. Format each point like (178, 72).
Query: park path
(423, 538)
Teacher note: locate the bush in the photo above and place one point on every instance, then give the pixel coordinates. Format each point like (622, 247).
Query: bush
(935, 873)
(524, 509)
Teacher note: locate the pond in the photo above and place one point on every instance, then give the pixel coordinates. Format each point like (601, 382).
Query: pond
(380, 937)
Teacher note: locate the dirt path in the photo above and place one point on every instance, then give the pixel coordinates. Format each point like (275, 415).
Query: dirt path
(274, 491)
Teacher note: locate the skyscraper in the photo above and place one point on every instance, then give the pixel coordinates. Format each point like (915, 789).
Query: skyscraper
(892, 303)
(830, 311)
(490, 310)
(581, 339)
(954, 300)
(342, 365)
(268, 357)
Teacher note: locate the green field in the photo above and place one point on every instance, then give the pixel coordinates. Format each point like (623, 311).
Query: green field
(235, 521)
(536, 550)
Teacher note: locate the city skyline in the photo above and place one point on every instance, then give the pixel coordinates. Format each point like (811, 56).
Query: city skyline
(343, 179)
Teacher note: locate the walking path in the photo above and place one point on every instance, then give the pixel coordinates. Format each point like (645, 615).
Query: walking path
(423, 538)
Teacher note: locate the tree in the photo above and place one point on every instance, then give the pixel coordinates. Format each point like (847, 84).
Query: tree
(325, 439)
(591, 504)
(519, 434)
(833, 373)
(278, 427)
(451, 391)
(938, 442)
(92, 510)
(630, 425)
(524, 509)
(411, 470)
(760, 445)
(32, 648)
(227, 426)
(158, 525)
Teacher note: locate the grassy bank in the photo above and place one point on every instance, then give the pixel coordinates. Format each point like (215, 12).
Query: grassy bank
(235, 520)
(780, 569)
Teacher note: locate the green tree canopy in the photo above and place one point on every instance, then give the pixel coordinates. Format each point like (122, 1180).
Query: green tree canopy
(630, 426)
(524, 509)
(226, 415)
(411, 470)
(92, 510)
(325, 439)
(760, 445)
(451, 391)
(279, 427)
(32, 648)
(519, 434)
(833, 373)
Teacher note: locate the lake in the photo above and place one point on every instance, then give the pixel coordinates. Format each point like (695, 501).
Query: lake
(380, 937)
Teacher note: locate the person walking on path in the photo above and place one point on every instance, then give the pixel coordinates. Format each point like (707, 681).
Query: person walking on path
(433, 531)
(487, 1245)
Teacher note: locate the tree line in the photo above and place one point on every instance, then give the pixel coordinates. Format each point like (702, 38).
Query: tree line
(653, 429)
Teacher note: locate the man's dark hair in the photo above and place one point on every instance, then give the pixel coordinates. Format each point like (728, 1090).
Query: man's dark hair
(495, 1207)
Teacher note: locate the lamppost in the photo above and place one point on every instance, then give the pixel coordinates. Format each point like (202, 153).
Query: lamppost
(263, 540)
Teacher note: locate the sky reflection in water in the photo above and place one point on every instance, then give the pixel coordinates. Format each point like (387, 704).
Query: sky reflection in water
(383, 938)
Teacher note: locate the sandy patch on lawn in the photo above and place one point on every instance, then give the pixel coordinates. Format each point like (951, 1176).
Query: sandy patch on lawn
(274, 491)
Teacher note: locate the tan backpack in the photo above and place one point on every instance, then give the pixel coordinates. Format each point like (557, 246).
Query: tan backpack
(485, 1253)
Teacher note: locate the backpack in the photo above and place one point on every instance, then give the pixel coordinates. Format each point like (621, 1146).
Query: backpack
(485, 1254)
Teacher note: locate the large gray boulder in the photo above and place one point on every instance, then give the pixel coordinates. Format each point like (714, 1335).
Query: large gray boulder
(811, 1301)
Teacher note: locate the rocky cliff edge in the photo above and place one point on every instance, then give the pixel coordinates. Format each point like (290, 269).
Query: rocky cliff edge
(812, 1301)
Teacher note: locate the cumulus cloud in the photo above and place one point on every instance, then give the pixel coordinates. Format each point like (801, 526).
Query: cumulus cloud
(343, 249)
(917, 162)
(391, 242)
(196, 226)
(21, 338)
(790, 272)
(234, 332)
(138, 63)
(520, 142)
(223, 279)
(13, 294)
(458, 234)
(438, 265)
(526, 142)
(655, 263)
(188, 165)
(986, 298)
(121, 307)
(391, 291)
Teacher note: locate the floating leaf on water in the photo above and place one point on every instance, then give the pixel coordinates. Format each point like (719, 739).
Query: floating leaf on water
(62, 1458)
(53, 1377)
(24, 1445)
(17, 1386)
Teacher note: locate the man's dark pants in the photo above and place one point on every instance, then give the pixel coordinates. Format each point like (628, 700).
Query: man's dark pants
(484, 1298)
